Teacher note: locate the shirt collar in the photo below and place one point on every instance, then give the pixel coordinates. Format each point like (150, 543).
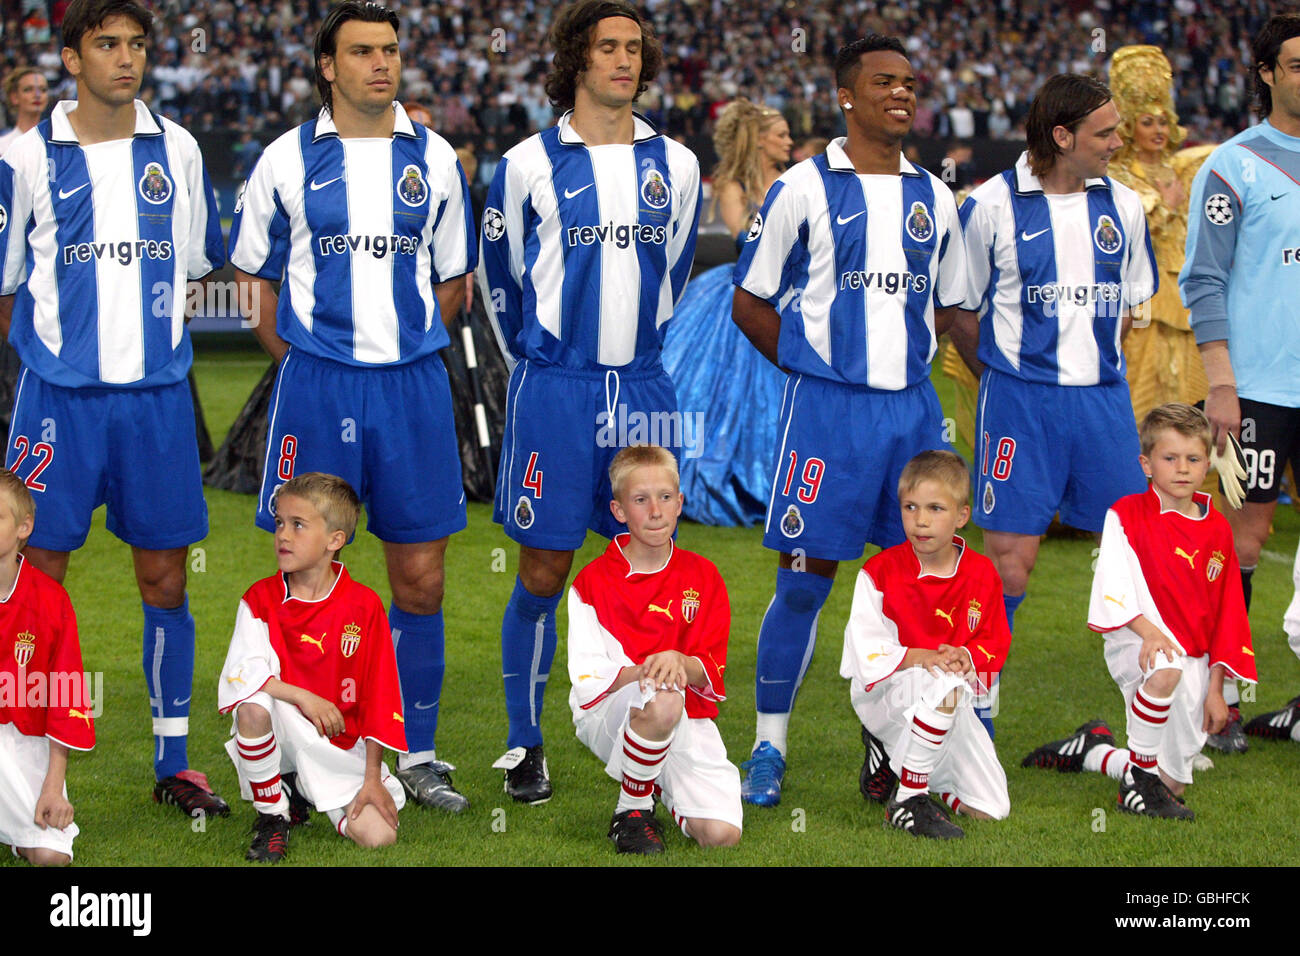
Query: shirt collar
(959, 541)
(1027, 182)
(284, 583)
(402, 125)
(838, 160)
(642, 130)
(61, 130)
(617, 545)
(1200, 497)
(22, 563)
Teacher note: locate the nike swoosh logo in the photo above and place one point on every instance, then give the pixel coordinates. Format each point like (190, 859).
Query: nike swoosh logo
(509, 675)
(182, 703)
(420, 706)
(840, 220)
(570, 195)
(64, 194)
(1025, 236)
(315, 185)
(1278, 196)
(764, 680)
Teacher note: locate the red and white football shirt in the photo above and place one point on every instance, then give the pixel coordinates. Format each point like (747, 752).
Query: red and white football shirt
(339, 648)
(618, 618)
(1178, 572)
(43, 690)
(896, 606)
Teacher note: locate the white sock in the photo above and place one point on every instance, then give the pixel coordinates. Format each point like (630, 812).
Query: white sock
(414, 760)
(773, 729)
(1147, 717)
(259, 758)
(1112, 761)
(929, 730)
(1231, 696)
(642, 761)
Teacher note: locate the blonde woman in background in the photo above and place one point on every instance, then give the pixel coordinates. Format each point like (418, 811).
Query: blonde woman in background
(726, 476)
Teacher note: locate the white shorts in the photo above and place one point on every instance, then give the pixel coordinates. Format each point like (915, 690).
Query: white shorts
(327, 776)
(967, 766)
(1183, 737)
(24, 761)
(697, 780)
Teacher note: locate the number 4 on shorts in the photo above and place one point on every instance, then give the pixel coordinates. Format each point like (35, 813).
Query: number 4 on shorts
(533, 477)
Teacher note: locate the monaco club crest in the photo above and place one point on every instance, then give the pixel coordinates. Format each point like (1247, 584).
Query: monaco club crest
(1214, 567)
(690, 604)
(24, 648)
(351, 640)
(973, 615)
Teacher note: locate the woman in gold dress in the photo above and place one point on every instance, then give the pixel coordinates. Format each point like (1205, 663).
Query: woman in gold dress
(1164, 364)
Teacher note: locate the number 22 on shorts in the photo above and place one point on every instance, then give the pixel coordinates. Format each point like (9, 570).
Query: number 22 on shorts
(43, 452)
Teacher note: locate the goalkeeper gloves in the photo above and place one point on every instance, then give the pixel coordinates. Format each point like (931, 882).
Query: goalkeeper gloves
(1231, 466)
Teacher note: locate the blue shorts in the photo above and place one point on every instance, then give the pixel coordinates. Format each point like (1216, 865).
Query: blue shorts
(842, 449)
(563, 428)
(389, 431)
(132, 449)
(1048, 448)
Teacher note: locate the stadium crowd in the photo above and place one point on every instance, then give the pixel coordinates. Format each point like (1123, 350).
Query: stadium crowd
(243, 69)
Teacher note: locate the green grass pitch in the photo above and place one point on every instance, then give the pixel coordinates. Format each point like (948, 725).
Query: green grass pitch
(1246, 807)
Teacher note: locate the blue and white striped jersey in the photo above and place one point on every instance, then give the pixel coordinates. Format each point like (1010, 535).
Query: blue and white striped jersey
(586, 249)
(360, 230)
(96, 245)
(1241, 278)
(1051, 276)
(856, 265)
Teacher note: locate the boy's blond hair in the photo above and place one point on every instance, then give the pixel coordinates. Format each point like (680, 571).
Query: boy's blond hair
(330, 495)
(21, 502)
(1184, 419)
(945, 467)
(639, 456)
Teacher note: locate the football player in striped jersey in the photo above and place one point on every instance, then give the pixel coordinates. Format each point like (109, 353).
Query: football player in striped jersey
(104, 215)
(588, 239)
(846, 278)
(364, 218)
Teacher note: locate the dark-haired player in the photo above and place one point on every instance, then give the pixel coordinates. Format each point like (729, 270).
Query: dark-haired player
(1058, 257)
(588, 239)
(104, 214)
(365, 218)
(1239, 281)
(845, 280)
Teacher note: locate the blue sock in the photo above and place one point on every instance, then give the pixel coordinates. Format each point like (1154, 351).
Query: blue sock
(169, 674)
(528, 639)
(1011, 604)
(985, 711)
(787, 637)
(420, 646)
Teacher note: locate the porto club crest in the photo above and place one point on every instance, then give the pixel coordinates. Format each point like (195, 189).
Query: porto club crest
(919, 224)
(653, 189)
(412, 189)
(524, 513)
(792, 522)
(154, 185)
(1106, 236)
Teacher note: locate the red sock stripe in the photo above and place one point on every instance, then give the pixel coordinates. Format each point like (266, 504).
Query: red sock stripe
(913, 780)
(917, 722)
(1152, 713)
(951, 800)
(255, 751)
(266, 791)
(637, 788)
(643, 762)
(1106, 759)
(642, 748)
(1145, 761)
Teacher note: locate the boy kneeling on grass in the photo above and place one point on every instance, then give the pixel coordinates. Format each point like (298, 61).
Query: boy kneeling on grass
(648, 628)
(926, 633)
(1167, 595)
(37, 730)
(312, 678)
